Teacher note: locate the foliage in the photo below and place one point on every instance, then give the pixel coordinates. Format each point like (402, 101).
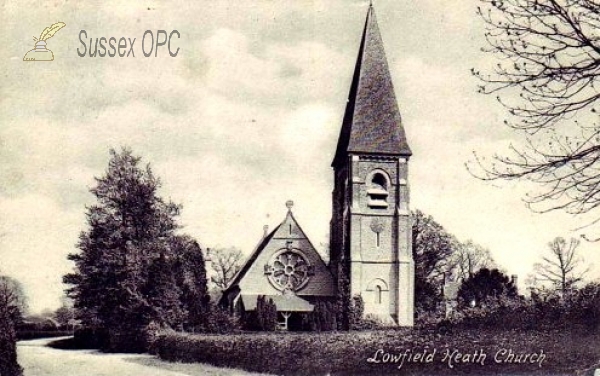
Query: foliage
(12, 305)
(264, 317)
(190, 274)
(225, 262)
(130, 275)
(427, 295)
(322, 318)
(64, 315)
(33, 334)
(343, 301)
(578, 313)
(584, 307)
(562, 267)
(548, 53)
(427, 318)
(220, 321)
(486, 285)
(432, 254)
(345, 353)
(357, 309)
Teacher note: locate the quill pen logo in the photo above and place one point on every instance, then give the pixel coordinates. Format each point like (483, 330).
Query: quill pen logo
(40, 52)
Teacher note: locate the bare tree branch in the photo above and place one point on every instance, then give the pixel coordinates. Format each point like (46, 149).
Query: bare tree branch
(548, 54)
(225, 262)
(562, 268)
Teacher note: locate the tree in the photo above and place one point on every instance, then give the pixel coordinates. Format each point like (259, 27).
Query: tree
(264, 317)
(65, 316)
(468, 258)
(561, 267)
(432, 251)
(128, 230)
(12, 307)
(192, 282)
(225, 262)
(163, 294)
(548, 54)
(486, 284)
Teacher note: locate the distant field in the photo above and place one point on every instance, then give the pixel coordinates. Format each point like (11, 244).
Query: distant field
(400, 352)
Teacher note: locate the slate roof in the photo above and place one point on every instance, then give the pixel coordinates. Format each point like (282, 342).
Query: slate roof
(285, 303)
(242, 272)
(372, 123)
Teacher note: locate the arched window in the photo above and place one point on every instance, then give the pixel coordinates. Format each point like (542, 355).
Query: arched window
(377, 190)
(379, 181)
(379, 290)
(378, 294)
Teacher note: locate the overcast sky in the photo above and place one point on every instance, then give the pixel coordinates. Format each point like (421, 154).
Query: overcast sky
(243, 119)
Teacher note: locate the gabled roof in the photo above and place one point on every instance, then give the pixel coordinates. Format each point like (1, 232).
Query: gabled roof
(244, 269)
(372, 123)
(288, 229)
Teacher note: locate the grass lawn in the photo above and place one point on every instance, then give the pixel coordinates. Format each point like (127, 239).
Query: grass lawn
(397, 352)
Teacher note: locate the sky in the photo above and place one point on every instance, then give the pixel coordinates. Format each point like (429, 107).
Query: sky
(245, 117)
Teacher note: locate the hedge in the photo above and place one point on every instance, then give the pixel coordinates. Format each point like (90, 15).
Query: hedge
(33, 334)
(346, 353)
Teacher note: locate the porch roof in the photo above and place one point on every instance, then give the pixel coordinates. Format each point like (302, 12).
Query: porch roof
(284, 303)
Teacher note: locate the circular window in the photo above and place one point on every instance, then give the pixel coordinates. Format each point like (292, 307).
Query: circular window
(289, 270)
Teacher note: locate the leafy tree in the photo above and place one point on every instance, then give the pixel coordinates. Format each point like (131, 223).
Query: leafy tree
(192, 282)
(128, 230)
(12, 306)
(561, 267)
(64, 316)
(225, 262)
(163, 294)
(548, 54)
(432, 252)
(484, 285)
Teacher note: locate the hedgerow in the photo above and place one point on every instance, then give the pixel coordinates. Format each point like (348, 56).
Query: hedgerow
(346, 353)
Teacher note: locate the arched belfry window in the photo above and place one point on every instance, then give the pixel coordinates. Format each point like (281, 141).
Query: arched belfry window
(378, 189)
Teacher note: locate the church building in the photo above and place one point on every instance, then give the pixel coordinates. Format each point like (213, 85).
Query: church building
(370, 244)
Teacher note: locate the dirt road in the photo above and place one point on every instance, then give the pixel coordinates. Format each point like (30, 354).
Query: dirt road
(39, 360)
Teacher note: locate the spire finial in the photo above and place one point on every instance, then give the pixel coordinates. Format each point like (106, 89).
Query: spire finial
(370, 3)
(289, 204)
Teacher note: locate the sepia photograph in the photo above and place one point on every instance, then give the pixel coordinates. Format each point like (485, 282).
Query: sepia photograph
(308, 187)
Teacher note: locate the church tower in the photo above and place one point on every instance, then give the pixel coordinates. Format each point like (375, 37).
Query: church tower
(371, 250)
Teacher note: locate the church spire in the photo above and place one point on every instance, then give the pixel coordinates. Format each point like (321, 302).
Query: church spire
(372, 123)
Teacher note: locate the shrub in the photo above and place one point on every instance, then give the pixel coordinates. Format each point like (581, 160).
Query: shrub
(220, 321)
(264, 317)
(346, 353)
(428, 318)
(356, 311)
(90, 338)
(323, 318)
(24, 335)
(580, 311)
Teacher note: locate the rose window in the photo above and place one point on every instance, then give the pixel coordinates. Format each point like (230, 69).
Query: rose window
(288, 270)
